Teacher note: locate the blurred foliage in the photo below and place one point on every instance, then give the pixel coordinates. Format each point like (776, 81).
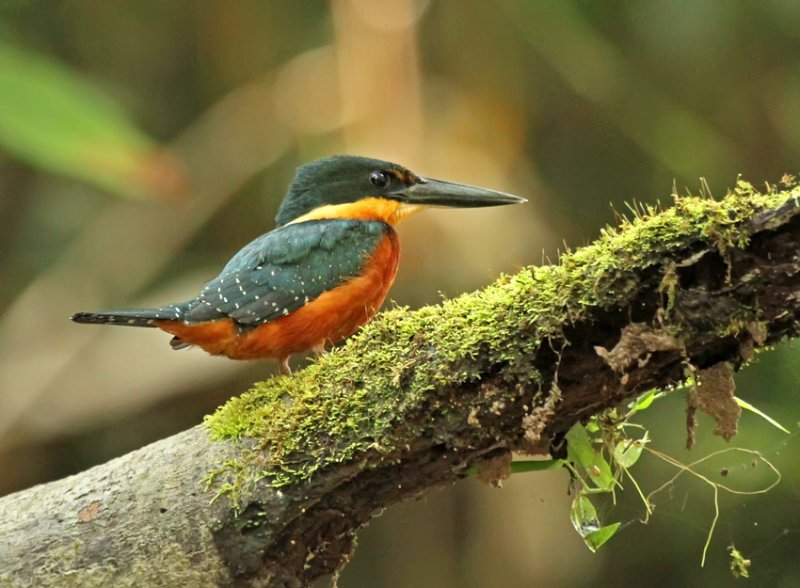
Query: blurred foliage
(54, 119)
(573, 104)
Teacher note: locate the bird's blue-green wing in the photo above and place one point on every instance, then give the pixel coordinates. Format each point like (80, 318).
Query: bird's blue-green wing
(281, 271)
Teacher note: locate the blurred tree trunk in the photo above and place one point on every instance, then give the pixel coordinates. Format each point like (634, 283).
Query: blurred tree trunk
(696, 288)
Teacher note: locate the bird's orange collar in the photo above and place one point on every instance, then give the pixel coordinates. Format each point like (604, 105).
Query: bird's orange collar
(370, 208)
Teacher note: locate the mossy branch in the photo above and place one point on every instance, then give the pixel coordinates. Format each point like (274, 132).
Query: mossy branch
(418, 398)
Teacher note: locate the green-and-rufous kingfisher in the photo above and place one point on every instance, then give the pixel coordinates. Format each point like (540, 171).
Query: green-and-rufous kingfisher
(319, 275)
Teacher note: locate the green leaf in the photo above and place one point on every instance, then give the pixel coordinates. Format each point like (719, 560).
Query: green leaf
(628, 452)
(584, 518)
(582, 453)
(749, 407)
(535, 465)
(54, 119)
(595, 539)
(530, 465)
(644, 401)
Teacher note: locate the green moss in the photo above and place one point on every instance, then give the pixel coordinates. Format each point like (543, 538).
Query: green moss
(362, 396)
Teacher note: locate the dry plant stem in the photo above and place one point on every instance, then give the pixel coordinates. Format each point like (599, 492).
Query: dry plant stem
(456, 386)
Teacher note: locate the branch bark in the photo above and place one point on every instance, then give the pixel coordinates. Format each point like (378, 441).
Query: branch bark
(272, 488)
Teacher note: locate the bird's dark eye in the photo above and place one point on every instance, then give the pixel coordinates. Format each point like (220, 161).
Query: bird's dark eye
(379, 179)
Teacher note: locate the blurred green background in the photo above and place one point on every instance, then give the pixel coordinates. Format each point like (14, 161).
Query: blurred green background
(142, 143)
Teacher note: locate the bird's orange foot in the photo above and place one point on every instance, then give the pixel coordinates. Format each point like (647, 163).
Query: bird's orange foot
(284, 366)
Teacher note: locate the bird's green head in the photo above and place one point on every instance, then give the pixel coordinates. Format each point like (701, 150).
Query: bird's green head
(347, 186)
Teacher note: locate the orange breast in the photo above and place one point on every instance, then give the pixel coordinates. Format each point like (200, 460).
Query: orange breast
(329, 318)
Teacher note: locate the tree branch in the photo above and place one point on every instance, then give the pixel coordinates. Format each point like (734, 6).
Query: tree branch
(297, 464)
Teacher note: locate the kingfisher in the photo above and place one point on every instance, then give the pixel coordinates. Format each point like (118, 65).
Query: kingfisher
(322, 273)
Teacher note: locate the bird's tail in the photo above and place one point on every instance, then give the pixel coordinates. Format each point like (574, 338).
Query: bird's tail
(129, 318)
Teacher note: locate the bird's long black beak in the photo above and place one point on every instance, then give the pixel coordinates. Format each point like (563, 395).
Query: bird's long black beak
(430, 192)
